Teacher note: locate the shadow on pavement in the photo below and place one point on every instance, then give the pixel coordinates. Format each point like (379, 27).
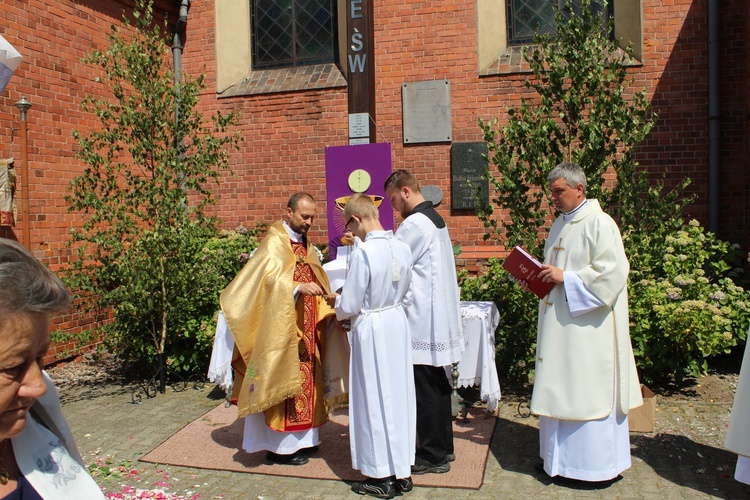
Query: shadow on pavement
(682, 461)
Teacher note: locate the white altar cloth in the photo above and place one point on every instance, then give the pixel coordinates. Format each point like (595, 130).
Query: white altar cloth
(220, 367)
(477, 366)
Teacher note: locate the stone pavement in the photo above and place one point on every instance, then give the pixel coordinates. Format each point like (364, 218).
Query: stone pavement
(682, 459)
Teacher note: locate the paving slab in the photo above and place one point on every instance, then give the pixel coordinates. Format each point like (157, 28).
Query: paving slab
(682, 459)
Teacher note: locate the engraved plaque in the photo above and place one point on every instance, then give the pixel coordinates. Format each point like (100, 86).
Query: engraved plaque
(427, 111)
(359, 125)
(468, 168)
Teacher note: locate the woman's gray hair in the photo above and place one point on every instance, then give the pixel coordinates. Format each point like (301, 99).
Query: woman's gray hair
(26, 285)
(571, 172)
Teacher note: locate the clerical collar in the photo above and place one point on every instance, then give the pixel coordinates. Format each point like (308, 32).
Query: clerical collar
(428, 209)
(293, 235)
(568, 216)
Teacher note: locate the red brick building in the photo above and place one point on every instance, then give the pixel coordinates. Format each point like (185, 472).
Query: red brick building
(289, 114)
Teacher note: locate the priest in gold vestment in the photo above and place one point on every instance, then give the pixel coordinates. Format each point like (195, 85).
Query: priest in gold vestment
(285, 381)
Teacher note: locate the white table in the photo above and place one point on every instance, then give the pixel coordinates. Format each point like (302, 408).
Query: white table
(477, 366)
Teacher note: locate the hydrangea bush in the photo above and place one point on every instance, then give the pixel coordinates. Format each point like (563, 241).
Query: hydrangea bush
(689, 308)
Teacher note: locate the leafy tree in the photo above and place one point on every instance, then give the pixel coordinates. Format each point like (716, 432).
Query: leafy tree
(581, 107)
(143, 197)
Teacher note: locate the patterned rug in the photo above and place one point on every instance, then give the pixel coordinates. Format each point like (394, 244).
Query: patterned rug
(214, 441)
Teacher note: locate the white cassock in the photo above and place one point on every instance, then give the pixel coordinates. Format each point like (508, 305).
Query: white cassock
(585, 379)
(382, 404)
(435, 315)
(738, 434)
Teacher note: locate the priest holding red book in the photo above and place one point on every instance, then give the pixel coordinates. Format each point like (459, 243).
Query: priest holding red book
(585, 381)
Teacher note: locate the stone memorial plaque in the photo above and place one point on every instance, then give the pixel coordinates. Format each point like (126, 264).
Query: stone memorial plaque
(432, 193)
(468, 184)
(426, 111)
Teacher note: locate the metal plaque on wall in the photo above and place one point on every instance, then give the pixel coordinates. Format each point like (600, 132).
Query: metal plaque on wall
(426, 111)
(468, 182)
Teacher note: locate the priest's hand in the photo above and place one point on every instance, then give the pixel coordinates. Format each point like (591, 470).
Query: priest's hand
(551, 274)
(311, 288)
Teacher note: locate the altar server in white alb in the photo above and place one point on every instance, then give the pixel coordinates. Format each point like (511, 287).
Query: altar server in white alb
(585, 381)
(382, 405)
(434, 319)
(738, 435)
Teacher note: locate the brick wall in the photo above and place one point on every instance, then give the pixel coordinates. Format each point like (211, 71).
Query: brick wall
(52, 35)
(285, 134)
(436, 40)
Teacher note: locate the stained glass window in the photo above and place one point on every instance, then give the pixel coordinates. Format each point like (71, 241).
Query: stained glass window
(288, 33)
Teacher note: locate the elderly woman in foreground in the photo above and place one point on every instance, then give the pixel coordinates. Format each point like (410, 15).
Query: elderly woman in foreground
(38, 455)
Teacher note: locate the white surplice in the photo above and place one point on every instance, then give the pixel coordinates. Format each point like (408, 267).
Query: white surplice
(435, 315)
(585, 379)
(738, 433)
(382, 404)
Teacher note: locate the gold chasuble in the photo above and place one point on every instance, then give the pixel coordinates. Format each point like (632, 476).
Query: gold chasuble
(280, 361)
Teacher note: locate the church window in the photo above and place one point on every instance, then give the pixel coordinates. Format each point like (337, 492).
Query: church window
(526, 17)
(292, 33)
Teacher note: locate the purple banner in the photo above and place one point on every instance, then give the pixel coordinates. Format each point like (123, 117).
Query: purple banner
(352, 169)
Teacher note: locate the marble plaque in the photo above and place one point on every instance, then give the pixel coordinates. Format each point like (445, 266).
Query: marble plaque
(426, 111)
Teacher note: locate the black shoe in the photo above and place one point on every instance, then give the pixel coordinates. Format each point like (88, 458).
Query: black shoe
(422, 466)
(451, 457)
(378, 488)
(293, 459)
(403, 485)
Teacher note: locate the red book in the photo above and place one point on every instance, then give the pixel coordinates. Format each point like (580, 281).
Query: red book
(522, 266)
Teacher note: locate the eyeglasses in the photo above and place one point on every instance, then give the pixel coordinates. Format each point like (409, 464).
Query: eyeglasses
(349, 222)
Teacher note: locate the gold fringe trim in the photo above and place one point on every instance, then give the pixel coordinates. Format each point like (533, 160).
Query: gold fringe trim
(260, 407)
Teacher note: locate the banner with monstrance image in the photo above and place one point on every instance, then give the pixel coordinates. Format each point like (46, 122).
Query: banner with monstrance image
(360, 168)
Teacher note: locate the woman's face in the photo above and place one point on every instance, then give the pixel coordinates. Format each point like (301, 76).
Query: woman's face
(24, 340)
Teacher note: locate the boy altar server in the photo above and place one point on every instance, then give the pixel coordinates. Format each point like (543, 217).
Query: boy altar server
(382, 404)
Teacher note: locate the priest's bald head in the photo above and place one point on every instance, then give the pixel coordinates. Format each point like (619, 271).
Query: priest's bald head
(567, 186)
(402, 189)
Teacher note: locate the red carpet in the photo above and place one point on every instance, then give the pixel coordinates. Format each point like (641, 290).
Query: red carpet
(214, 441)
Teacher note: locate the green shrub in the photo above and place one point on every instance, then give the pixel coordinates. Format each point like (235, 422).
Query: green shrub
(143, 200)
(200, 268)
(689, 309)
